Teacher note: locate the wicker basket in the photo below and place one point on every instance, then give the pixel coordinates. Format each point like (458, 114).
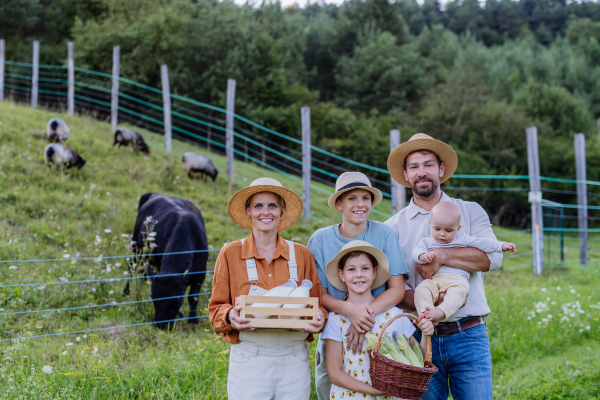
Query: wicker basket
(397, 379)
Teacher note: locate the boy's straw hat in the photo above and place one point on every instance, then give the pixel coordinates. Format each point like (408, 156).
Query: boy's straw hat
(350, 181)
(293, 202)
(383, 270)
(421, 141)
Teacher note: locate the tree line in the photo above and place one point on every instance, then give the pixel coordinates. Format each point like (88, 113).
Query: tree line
(474, 75)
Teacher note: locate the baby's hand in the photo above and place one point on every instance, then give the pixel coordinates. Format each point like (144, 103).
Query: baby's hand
(427, 257)
(425, 324)
(509, 246)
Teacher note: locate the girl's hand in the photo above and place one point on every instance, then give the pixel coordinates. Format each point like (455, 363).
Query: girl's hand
(239, 323)
(426, 325)
(355, 339)
(316, 325)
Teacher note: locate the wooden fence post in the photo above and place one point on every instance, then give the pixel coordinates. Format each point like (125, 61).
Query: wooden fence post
(166, 92)
(114, 104)
(1, 69)
(306, 160)
(229, 142)
(535, 198)
(398, 191)
(582, 211)
(71, 78)
(35, 74)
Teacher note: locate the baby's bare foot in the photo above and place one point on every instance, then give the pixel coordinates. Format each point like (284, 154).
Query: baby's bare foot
(436, 315)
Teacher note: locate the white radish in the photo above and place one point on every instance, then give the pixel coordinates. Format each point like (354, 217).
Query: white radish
(279, 291)
(301, 291)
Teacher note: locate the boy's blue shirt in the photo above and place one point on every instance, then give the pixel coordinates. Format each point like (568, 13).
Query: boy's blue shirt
(325, 243)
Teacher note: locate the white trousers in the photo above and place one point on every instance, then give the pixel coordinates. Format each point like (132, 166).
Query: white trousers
(269, 366)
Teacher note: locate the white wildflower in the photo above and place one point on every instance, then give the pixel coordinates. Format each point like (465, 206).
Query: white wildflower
(13, 267)
(148, 219)
(153, 245)
(543, 289)
(66, 256)
(78, 338)
(152, 234)
(98, 239)
(558, 288)
(107, 230)
(96, 350)
(117, 265)
(573, 291)
(69, 344)
(47, 369)
(63, 279)
(84, 336)
(64, 353)
(111, 292)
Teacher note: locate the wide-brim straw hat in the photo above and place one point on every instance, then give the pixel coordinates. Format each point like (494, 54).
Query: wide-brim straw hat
(383, 270)
(421, 141)
(293, 203)
(350, 181)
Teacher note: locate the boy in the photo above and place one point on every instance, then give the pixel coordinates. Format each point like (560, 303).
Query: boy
(445, 226)
(354, 197)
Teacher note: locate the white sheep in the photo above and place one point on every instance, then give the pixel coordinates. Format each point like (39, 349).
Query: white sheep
(193, 162)
(57, 130)
(59, 154)
(125, 136)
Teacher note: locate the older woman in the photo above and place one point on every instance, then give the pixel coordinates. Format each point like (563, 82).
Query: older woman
(264, 364)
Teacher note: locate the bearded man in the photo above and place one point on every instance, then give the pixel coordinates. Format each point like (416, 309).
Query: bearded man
(461, 348)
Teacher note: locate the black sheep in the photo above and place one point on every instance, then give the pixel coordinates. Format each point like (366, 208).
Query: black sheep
(179, 228)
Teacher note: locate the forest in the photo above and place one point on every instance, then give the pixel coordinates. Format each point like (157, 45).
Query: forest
(472, 74)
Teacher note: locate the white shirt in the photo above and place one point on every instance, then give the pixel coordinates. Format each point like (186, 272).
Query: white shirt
(400, 326)
(460, 240)
(412, 224)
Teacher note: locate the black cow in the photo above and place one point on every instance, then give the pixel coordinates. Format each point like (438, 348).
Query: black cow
(179, 228)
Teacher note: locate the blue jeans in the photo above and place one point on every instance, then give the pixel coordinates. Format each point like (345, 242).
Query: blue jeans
(465, 366)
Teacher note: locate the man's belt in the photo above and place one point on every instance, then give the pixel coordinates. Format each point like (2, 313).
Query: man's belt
(450, 328)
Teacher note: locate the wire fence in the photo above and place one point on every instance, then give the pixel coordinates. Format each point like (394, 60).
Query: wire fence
(204, 125)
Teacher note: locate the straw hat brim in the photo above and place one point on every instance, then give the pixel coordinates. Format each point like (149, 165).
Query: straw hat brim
(378, 196)
(383, 270)
(399, 154)
(237, 206)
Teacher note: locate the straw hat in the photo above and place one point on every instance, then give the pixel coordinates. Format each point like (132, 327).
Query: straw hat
(293, 202)
(421, 141)
(383, 270)
(350, 181)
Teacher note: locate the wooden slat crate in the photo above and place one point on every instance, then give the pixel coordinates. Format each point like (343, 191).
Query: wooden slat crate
(296, 324)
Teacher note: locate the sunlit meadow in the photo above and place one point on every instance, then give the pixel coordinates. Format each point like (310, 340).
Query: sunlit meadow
(543, 331)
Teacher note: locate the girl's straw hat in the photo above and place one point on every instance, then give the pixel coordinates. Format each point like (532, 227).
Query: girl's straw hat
(350, 181)
(383, 270)
(293, 202)
(417, 142)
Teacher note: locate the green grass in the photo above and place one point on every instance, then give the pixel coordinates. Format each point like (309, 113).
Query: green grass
(46, 214)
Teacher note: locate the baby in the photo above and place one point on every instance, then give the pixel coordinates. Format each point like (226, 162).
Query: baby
(445, 224)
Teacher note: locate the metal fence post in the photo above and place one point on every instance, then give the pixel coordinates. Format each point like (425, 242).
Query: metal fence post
(306, 160)
(1, 69)
(71, 78)
(114, 104)
(166, 92)
(229, 127)
(582, 211)
(35, 74)
(398, 191)
(535, 198)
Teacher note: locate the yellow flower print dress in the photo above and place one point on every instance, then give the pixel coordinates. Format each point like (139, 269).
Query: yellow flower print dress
(357, 366)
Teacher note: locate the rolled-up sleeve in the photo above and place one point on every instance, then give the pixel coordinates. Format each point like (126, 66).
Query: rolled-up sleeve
(481, 227)
(220, 300)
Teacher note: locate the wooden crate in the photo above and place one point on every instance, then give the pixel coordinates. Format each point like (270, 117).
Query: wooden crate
(296, 324)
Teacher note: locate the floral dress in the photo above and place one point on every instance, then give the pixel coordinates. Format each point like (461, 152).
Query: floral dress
(357, 365)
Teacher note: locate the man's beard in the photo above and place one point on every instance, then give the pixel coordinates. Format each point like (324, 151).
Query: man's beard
(425, 191)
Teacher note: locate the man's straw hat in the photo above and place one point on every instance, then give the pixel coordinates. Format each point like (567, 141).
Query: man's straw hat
(421, 141)
(293, 202)
(351, 181)
(383, 270)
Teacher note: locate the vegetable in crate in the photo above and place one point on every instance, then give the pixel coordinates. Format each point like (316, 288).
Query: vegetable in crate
(301, 291)
(279, 291)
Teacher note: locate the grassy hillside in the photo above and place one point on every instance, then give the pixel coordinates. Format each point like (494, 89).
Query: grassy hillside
(48, 215)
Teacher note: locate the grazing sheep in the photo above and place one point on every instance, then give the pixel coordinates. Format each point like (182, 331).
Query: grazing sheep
(193, 162)
(125, 136)
(60, 155)
(57, 130)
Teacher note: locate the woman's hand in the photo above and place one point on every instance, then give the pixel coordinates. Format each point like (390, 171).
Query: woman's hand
(361, 317)
(316, 325)
(239, 323)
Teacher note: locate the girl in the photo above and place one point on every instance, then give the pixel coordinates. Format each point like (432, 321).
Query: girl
(356, 268)
(264, 364)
